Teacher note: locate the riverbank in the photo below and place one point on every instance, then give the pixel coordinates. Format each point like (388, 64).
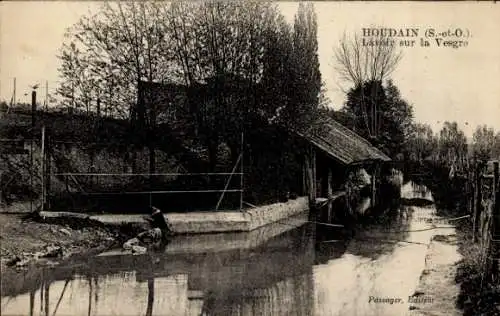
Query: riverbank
(59, 235)
(477, 295)
(24, 242)
(437, 291)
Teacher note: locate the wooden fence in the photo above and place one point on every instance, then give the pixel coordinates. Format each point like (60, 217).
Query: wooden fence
(486, 214)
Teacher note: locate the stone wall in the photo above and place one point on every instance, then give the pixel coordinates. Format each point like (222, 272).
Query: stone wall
(217, 222)
(247, 220)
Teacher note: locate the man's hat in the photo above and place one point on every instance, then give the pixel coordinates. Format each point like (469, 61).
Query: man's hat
(155, 210)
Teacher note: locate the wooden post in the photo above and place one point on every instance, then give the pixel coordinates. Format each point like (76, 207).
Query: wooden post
(314, 176)
(495, 183)
(33, 111)
(374, 186)
(42, 167)
(311, 179)
(330, 194)
(151, 296)
(48, 152)
(495, 253)
(47, 301)
(308, 176)
(470, 192)
(477, 203)
(32, 302)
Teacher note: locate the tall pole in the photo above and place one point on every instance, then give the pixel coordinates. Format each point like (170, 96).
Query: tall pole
(14, 101)
(42, 160)
(33, 110)
(241, 171)
(46, 94)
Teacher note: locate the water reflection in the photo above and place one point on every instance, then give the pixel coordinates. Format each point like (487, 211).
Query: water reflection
(419, 191)
(234, 282)
(279, 270)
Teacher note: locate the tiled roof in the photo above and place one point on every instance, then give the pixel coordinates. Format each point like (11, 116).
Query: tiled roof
(341, 143)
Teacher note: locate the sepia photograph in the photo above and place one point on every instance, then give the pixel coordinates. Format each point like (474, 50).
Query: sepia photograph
(203, 158)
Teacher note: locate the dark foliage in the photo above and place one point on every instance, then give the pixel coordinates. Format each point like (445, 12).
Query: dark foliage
(379, 114)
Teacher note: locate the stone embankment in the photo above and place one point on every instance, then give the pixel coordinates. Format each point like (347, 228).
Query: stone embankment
(196, 222)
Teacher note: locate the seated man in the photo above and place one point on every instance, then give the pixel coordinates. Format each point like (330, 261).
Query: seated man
(157, 237)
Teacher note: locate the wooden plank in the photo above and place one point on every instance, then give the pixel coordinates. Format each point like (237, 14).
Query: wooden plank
(330, 195)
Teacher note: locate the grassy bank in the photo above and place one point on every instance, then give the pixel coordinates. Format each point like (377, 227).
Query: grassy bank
(479, 294)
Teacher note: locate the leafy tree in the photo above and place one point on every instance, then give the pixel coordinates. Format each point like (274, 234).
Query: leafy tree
(395, 122)
(422, 142)
(381, 115)
(3, 105)
(496, 147)
(362, 103)
(452, 144)
(483, 143)
(277, 65)
(305, 75)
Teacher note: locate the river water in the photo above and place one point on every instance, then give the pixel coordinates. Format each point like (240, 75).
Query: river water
(290, 268)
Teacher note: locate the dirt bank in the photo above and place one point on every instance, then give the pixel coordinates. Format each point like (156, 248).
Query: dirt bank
(24, 241)
(438, 291)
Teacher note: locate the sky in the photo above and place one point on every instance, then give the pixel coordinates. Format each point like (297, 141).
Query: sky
(442, 83)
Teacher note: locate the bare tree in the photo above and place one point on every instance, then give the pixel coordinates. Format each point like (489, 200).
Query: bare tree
(117, 47)
(358, 63)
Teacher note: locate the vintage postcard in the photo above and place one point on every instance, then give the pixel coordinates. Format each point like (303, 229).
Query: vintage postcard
(249, 158)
